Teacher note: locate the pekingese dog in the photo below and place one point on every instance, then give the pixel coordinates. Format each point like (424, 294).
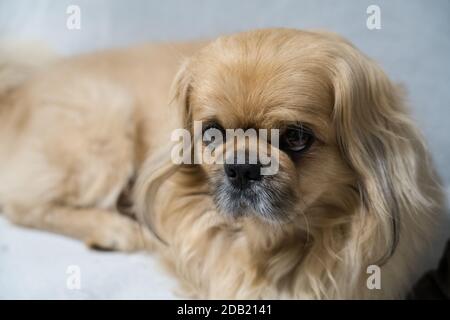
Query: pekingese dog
(86, 150)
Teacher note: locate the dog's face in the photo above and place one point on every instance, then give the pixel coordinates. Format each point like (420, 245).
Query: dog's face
(267, 80)
(350, 161)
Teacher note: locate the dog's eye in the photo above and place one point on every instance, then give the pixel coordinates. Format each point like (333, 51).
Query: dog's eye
(211, 125)
(208, 130)
(296, 139)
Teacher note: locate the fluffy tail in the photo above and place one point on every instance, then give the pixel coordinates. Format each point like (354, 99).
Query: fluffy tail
(20, 60)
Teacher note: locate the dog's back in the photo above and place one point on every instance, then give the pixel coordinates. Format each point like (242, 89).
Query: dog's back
(73, 133)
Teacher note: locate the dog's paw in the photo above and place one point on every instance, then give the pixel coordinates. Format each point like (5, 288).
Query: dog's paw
(121, 234)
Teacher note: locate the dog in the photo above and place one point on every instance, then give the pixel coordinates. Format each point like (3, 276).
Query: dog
(86, 151)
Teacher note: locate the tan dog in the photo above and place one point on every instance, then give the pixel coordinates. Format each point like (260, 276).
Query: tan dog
(355, 184)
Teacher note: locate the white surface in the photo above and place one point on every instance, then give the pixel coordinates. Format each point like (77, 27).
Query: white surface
(33, 265)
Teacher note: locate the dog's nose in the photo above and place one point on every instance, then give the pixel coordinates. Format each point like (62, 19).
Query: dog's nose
(241, 174)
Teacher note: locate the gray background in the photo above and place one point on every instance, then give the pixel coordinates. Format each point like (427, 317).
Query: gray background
(413, 47)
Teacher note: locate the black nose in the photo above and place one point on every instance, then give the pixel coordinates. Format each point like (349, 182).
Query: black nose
(241, 174)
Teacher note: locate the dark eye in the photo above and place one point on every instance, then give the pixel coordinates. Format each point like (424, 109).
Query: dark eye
(296, 138)
(209, 126)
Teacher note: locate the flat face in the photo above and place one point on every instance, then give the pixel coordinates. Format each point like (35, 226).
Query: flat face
(256, 83)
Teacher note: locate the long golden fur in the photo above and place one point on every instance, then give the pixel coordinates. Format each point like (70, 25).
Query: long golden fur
(76, 133)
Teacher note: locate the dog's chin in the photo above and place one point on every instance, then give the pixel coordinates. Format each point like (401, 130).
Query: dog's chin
(269, 204)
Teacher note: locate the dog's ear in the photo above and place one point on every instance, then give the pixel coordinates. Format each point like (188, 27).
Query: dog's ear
(180, 93)
(379, 142)
(159, 167)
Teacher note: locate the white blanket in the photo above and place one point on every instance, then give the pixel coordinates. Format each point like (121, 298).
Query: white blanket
(40, 265)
